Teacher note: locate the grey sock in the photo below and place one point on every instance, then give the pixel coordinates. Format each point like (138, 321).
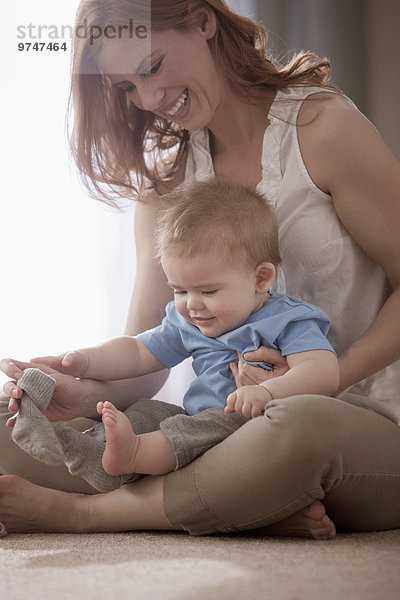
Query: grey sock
(83, 453)
(32, 430)
(60, 443)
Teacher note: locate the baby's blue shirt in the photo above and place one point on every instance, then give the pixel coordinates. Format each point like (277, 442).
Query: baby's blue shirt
(284, 323)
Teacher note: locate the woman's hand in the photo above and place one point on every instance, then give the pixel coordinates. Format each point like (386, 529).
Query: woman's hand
(246, 374)
(71, 397)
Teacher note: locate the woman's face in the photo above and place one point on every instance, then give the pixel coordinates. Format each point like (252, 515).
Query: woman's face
(173, 76)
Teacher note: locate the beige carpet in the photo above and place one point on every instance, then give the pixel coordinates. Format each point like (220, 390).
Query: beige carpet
(164, 566)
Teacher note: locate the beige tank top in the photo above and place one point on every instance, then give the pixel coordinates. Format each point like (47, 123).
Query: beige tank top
(321, 263)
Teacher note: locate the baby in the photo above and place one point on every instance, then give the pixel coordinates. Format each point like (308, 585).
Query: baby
(218, 246)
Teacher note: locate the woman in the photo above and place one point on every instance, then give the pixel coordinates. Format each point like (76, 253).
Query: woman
(335, 187)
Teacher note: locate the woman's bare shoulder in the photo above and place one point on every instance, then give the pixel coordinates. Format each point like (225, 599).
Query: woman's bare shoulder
(325, 106)
(332, 132)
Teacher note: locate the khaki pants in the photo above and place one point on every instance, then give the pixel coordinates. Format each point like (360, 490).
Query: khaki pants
(303, 448)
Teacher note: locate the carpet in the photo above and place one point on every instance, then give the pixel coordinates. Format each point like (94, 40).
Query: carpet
(175, 566)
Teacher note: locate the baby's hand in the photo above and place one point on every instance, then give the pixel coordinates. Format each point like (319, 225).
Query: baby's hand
(70, 363)
(249, 401)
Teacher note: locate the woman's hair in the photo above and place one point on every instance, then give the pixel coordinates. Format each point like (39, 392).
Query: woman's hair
(215, 217)
(116, 145)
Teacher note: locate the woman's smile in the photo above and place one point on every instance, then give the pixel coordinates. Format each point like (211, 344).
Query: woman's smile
(183, 83)
(179, 105)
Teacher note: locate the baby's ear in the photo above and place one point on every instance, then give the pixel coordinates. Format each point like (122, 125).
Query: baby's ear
(265, 275)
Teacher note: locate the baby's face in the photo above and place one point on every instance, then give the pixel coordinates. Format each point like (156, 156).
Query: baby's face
(214, 296)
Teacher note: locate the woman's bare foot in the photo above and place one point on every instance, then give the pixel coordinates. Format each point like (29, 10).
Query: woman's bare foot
(121, 441)
(28, 508)
(311, 521)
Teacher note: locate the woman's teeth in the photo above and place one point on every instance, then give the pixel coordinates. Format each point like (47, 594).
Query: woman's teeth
(179, 104)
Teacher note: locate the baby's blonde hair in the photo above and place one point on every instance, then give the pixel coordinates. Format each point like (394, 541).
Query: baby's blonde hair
(213, 216)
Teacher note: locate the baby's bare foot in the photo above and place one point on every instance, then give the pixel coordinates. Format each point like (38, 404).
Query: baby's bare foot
(311, 521)
(121, 441)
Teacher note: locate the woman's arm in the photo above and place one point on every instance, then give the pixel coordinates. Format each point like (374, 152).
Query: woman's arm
(150, 293)
(149, 297)
(346, 157)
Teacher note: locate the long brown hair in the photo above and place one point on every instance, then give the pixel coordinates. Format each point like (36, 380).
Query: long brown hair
(115, 145)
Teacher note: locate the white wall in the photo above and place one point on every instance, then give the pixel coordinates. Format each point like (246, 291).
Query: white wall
(383, 57)
(360, 37)
(61, 268)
